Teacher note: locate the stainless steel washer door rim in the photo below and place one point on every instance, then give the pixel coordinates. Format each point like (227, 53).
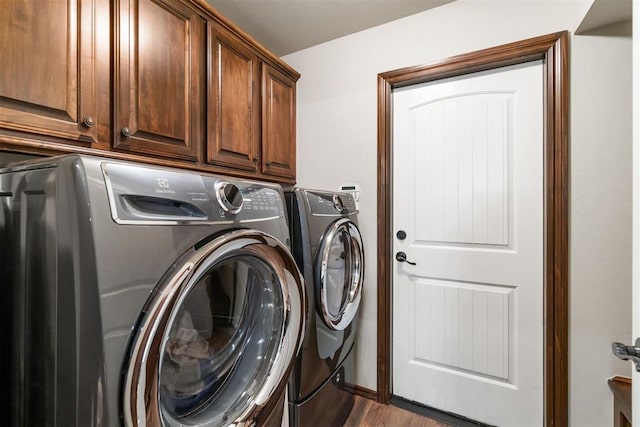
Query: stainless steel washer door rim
(244, 371)
(340, 274)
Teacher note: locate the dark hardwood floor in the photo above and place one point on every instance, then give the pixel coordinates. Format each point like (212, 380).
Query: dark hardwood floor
(368, 413)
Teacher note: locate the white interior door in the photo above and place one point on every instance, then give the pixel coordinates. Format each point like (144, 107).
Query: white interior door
(468, 193)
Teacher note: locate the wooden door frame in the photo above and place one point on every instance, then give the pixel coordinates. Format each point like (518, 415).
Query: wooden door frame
(552, 49)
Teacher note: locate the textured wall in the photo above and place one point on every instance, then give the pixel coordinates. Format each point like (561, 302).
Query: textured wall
(337, 143)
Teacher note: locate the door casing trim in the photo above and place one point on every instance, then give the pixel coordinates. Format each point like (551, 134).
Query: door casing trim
(552, 49)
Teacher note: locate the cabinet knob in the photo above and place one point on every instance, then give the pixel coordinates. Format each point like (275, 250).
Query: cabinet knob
(89, 122)
(268, 164)
(125, 131)
(255, 159)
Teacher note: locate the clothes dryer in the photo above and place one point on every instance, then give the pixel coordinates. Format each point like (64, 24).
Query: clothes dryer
(142, 295)
(327, 246)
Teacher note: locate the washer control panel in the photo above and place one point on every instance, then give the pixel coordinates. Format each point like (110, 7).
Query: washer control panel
(140, 194)
(246, 201)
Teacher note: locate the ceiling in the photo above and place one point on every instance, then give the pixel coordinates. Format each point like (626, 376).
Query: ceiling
(603, 13)
(286, 26)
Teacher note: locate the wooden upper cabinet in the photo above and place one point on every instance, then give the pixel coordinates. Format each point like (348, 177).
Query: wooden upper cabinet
(278, 123)
(164, 81)
(48, 67)
(233, 131)
(160, 78)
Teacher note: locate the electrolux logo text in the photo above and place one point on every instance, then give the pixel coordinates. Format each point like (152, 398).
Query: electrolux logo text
(163, 183)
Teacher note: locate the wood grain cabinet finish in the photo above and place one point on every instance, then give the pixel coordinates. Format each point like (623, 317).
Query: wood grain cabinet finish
(278, 123)
(168, 82)
(49, 66)
(160, 78)
(233, 127)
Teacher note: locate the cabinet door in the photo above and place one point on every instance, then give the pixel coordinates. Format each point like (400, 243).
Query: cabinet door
(159, 89)
(278, 123)
(48, 67)
(233, 134)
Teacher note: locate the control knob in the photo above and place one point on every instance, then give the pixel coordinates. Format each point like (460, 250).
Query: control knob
(337, 203)
(229, 197)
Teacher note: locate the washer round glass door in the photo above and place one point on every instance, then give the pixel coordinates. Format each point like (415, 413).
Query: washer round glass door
(339, 274)
(218, 336)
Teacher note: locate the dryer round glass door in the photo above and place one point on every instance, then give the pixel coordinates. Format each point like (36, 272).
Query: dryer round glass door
(219, 335)
(339, 274)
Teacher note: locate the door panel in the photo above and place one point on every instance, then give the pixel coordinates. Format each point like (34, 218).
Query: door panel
(234, 103)
(468, 190)
(464, 327)
(278, 123)
(160, 78)
(464, 193)
(48, 75)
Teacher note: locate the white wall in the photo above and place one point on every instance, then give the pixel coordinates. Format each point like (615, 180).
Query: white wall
(337, 143)
(601, 207)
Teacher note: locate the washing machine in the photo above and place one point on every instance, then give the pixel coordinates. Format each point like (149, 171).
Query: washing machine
(141, 295)
(327, 246)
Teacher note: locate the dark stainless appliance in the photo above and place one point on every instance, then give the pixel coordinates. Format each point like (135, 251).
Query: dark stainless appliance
(327, 246)
(143, 295)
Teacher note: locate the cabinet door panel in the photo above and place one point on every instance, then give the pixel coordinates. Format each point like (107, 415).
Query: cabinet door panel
(278, 124)
(233, 137)
(160, 75)
(47, 60)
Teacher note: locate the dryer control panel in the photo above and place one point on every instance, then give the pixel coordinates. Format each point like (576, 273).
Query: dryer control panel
(148, 195)
(330, 204)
